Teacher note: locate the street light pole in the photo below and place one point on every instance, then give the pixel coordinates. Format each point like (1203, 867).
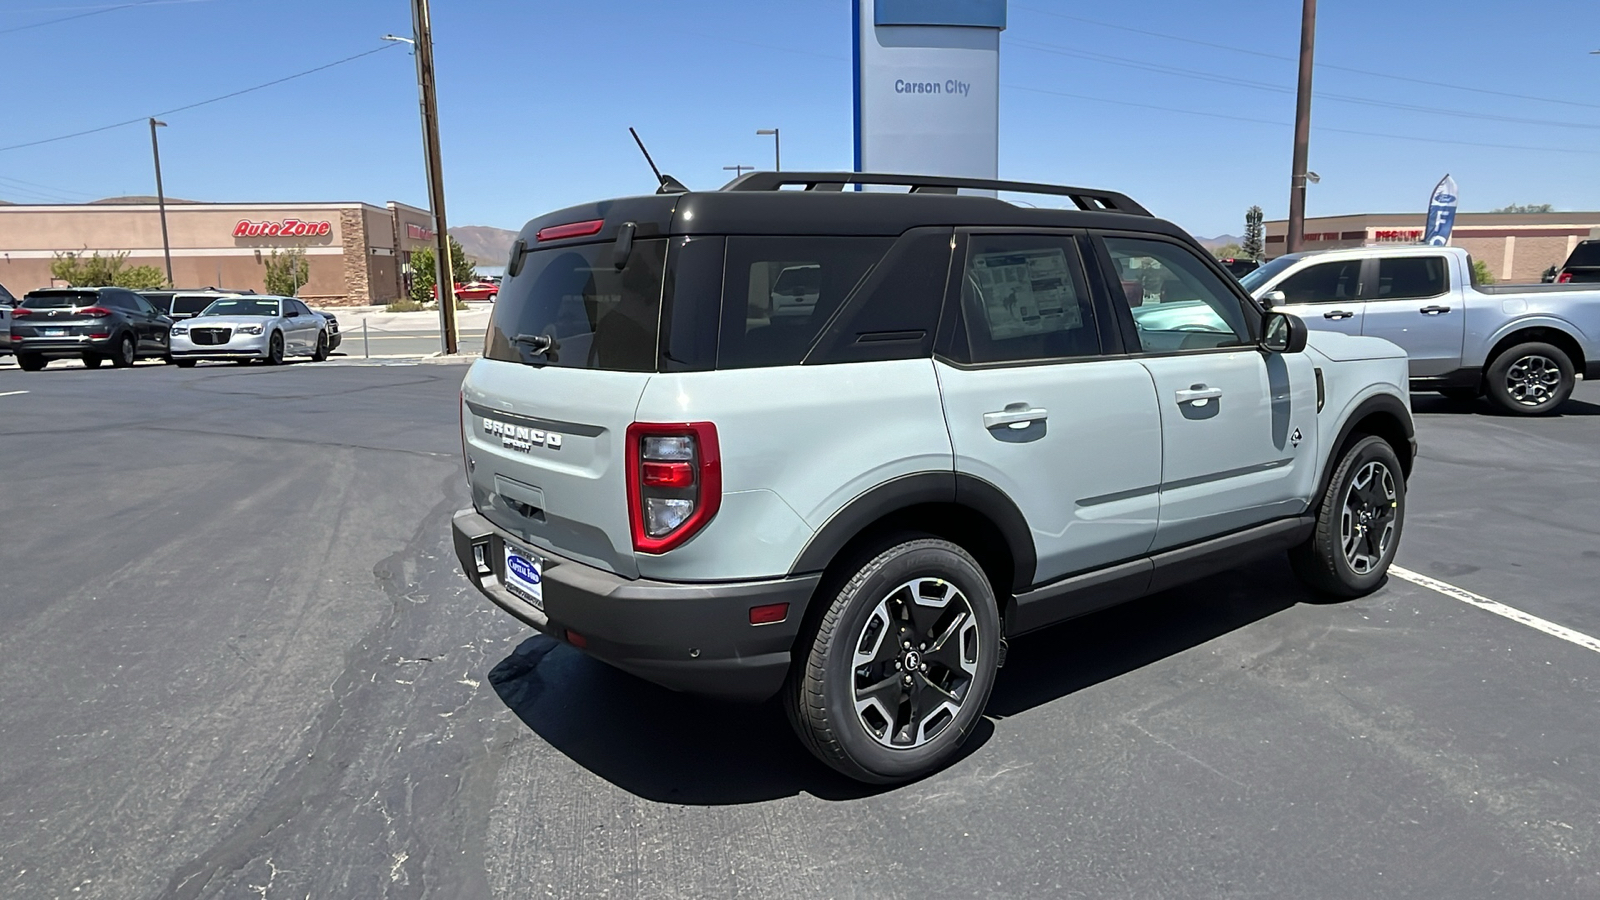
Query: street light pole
(161, 197)
(1295, 238)
(444, 270)
(777, 149)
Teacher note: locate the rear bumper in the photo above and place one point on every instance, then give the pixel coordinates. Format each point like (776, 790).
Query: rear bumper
(58, 347)
(695, 638)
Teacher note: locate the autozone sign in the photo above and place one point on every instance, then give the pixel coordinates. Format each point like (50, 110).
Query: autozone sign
(286, 228)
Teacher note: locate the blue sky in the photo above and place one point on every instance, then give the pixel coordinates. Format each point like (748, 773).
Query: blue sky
(536, 99)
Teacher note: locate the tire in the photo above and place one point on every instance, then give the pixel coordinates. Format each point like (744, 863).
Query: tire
(1460, 394)
(322, 347)
(275, 349)
(31, 362)
(184, 363)
(1531, 379)
(92, 360)
(125, 353)
(1366, 496)
(886, 741)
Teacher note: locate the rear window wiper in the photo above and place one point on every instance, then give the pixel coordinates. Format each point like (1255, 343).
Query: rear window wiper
(532, 345)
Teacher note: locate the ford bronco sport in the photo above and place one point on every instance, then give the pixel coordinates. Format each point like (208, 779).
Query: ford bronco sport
(980, 419)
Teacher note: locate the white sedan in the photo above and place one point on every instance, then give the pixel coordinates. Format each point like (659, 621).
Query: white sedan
(248, 327)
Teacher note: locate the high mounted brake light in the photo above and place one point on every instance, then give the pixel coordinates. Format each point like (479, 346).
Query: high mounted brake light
(569, 230)
(674, 482)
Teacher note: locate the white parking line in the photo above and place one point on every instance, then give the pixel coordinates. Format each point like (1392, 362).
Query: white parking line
(11, 393)
(1499, 609)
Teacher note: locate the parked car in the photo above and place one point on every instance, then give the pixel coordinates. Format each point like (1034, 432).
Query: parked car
(1240, 267)
(247, 328)
(476, 290)
(335, 338)
(967, 437)
(7, 303)
(1524, 345)
(92, 324)
(1582, 265)
(186, 304)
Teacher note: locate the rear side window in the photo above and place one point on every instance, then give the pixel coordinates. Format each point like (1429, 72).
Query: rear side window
(1410, 278)
(895, 312)
(779, 292)
(591, 314)
(1023, 298)
(1586, 254)
(190, 306)
(1323, 283)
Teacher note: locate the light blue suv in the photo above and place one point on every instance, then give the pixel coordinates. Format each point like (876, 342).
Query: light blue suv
(976, 420)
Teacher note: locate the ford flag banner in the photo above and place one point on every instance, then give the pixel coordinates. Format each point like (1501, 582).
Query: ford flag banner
(1441, 213)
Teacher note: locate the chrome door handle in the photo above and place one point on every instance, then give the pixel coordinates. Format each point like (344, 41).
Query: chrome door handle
(1015, 415)
(1338, 314)
(1434, 310)
(1199, 394)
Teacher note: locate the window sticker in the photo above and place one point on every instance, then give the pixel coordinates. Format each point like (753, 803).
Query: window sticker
(1026, 292)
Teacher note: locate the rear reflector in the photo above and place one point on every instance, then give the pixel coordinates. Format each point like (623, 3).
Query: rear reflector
(668, 474)
(570, 230)
(766, 615)
(576, 639)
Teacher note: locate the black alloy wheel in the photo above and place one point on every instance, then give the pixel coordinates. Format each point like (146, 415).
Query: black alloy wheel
(1359, 521)
(322, 347)
(275, 349)
(896, 672)
(125, 352)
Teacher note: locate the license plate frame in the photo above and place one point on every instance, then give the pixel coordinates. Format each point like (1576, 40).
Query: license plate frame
(525, 575)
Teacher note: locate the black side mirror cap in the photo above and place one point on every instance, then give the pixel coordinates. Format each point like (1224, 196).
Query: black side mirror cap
(1283, 333)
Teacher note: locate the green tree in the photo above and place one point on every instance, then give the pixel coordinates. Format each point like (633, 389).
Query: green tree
(95, 270)
(423, 268)
(1525, 208)
(1228, 251)
(287, 272)
(1481, 273)
(1255, 243)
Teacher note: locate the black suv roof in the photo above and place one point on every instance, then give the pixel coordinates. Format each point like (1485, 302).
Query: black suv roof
(819, 203)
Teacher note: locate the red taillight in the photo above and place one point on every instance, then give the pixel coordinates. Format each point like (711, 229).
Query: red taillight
(19, 312)
(674, 482)
(100, 335)
(1564, 278)
(94, 312)
(766, 615)
(569, 230)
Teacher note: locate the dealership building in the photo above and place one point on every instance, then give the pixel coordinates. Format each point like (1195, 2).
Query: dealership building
(1517, 247)
(357, 253)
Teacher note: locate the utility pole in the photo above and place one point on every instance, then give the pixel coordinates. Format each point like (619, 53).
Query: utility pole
(444, 279)
(1295, 239)
(777, 148)
(161, 197)
(738, 170)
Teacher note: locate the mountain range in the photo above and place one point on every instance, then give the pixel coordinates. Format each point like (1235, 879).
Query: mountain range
(487, 245)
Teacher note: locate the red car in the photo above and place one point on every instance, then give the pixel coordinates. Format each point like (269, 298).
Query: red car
(477, 290)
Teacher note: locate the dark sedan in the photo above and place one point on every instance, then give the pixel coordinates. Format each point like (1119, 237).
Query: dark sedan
(91, 324)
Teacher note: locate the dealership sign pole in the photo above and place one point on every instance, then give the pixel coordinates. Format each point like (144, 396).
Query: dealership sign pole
(1441, 213)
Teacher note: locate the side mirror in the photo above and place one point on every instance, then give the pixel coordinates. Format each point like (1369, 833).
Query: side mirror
(1283, 333)
(1273, 298)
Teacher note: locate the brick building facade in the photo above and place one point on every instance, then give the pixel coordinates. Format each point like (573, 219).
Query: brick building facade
(357, 253)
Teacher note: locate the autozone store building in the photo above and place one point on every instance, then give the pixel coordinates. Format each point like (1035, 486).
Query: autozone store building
(1518, 247)
(357, 253)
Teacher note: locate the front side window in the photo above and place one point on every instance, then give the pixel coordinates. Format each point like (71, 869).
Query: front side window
(573, 307)
(1410, 278)
(779, 292)
(1178, 303)
(1323, 283)
(1023, 298)
(190, 305)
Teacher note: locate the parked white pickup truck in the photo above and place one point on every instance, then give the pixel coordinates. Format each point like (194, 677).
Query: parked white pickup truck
(1524, 345)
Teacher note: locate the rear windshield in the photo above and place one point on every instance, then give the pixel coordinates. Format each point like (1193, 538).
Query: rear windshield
(190, 306)
(241, 308)
(59, 300)
(575, 305)
(1587, 253)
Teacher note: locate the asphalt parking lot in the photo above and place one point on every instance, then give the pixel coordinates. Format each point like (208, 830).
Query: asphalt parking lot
(239, 661)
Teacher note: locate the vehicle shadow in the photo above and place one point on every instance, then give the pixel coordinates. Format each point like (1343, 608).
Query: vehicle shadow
(1434, 403)
(674, 748)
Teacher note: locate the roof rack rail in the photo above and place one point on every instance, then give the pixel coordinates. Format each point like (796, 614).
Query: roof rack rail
(1089, 199)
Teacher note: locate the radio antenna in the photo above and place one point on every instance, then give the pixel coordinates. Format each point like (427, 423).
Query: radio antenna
(667, 184)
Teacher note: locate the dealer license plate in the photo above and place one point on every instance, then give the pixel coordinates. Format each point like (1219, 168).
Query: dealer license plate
(525, 576)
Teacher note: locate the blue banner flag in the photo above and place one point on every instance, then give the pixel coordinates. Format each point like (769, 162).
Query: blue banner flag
(1441, 213)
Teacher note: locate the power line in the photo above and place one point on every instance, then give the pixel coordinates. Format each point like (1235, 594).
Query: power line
(47, 187)
(1060, 50)
(1211, 115)
(178, 109)
(100, 11)
(1264, 55)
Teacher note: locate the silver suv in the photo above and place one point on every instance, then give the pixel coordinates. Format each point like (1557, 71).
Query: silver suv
(977, 419)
